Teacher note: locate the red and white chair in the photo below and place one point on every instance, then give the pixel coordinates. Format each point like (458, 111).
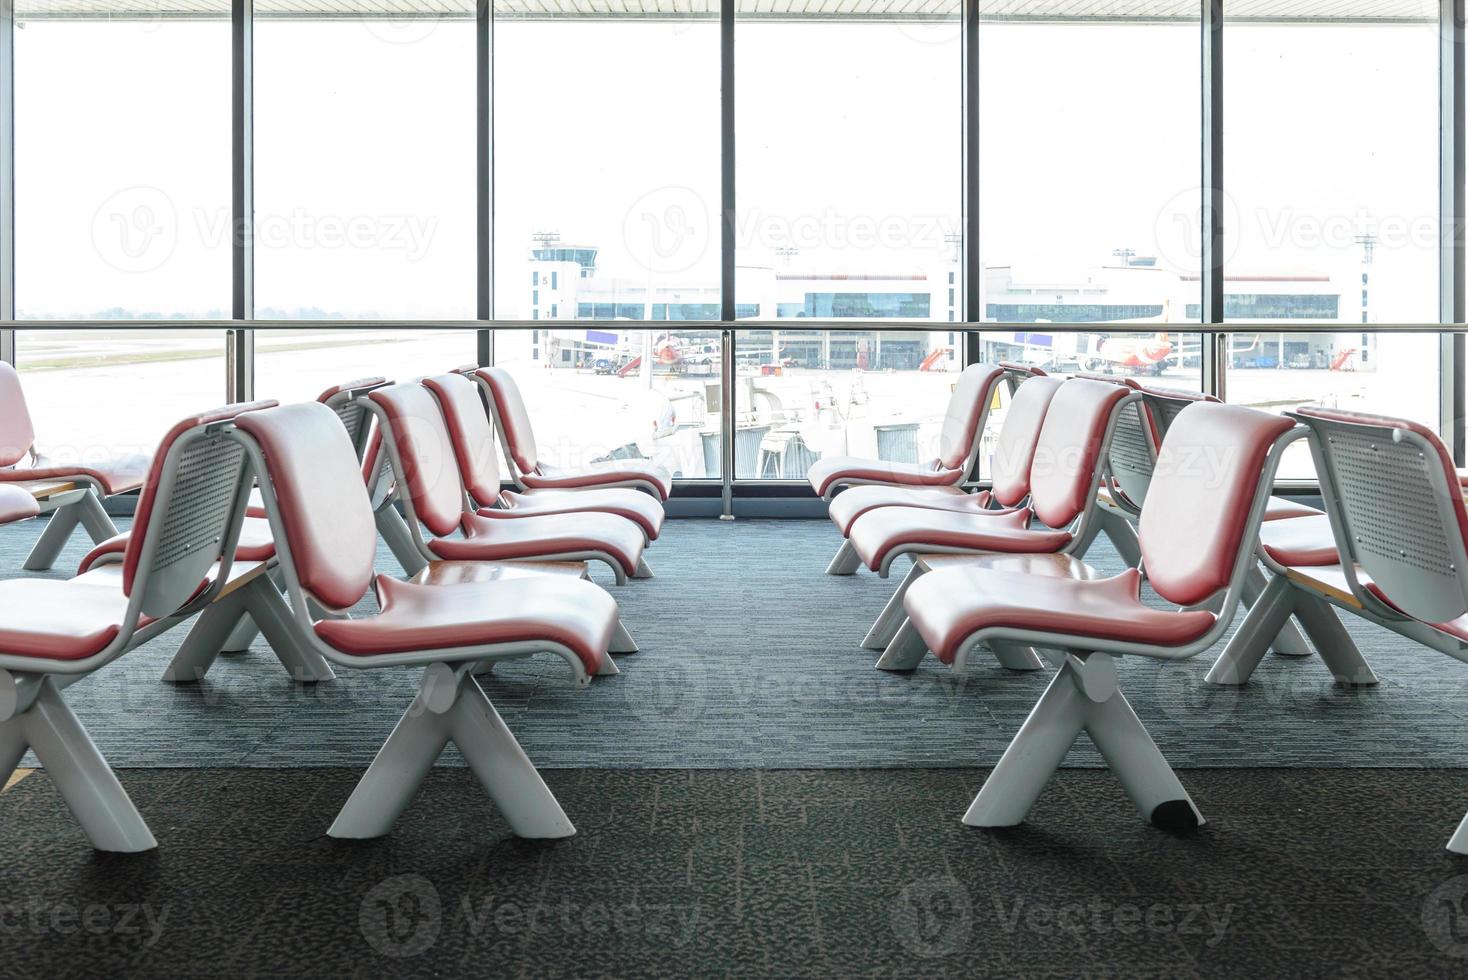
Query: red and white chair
(1129, 461)
(54, 632)
(530, 472)
(350, 402)
(1065, 472)
(1387, 552)
(958, 446)
(431, 490)
(472, 433)
(1009, 472)
(1204, 506)
(1399, 544)
(452, 628)
(1164, 404)
(231, 623)
(22, 462)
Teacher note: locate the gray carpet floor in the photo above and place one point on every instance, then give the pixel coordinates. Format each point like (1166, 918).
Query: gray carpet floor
(751, 659)
(698, 873)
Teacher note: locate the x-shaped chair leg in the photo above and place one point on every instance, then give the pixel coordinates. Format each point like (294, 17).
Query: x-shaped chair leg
(1271, 610)
(34, 714)
(893, 614)
(451, 707)
(1083, 697)
(846, 560)
(87, 510)
(1459, 842)
(263, 605)
(1289, 642)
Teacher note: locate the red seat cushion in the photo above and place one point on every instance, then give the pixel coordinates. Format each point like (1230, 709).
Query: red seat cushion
(1301, 542)
(641, 508)
(497, 539)
(831, 470)
(52, 619)
(884, 531)
(573, 613)
(950, 605)
(324, 510)
(17, 505)
(255, 544)
(850, 504)
(601, 474)
(1280, 509)
(114, 476)
(1019, 435)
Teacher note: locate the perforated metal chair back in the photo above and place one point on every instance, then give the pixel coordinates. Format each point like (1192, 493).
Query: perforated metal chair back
(1017, 374)
(1396, 505)
(1164, 404)
(1132, 456)
(1133, 451)
(346, 401)
(189, 513)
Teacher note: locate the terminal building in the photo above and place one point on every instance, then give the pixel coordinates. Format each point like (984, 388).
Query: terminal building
(564, 285)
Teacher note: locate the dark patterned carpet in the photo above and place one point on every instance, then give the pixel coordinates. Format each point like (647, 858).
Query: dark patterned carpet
(751, 659)
(864, 873)
(754, 799)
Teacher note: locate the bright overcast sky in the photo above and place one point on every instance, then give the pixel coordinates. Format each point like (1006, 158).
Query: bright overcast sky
(365, 156)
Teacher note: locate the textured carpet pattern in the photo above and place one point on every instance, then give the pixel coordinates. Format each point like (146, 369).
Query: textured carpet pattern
(751, 659)
(1323, 873)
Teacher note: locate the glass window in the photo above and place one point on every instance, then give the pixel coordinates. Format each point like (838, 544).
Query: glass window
(1080, 223)
(1332, 215)
(804, 394)
(611, 200)
(93, 394)
(849, 196)
(122, 169)
(613, 196)
(122, 213)
(298, 365)
(618, 392)
(365, 194)
(849, 164)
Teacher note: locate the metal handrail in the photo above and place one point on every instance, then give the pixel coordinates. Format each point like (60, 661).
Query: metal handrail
(714, 326)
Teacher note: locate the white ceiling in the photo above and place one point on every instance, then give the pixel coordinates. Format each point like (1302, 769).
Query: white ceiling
(1046, 10)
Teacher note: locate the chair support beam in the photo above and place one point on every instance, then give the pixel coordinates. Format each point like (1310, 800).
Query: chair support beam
(488, 746)
(1083, 697)
(75, 766)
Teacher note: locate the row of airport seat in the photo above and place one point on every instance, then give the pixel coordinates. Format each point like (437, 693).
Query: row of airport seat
(1181, 483)
(265, 517)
